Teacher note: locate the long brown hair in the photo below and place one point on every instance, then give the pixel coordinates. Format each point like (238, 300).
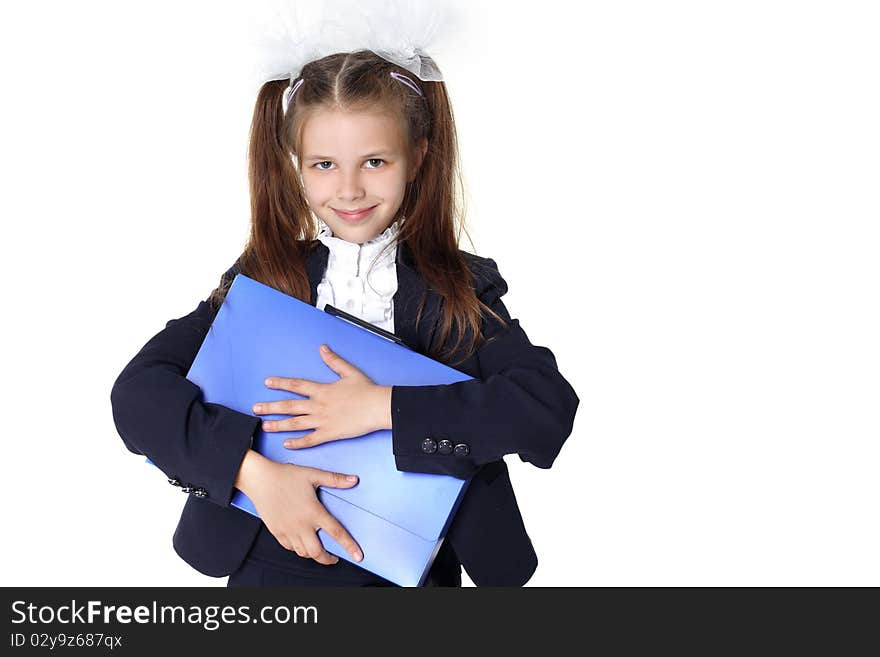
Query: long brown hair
(283, 231)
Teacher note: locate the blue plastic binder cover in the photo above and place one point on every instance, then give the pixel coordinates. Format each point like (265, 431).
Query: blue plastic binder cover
(397, 518)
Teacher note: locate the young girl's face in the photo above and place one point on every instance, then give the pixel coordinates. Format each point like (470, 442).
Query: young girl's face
(354, 161)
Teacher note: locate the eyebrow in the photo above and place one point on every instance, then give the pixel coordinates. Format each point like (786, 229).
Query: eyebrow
(363, 157)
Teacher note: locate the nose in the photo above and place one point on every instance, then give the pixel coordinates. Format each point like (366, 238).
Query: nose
(350, 186)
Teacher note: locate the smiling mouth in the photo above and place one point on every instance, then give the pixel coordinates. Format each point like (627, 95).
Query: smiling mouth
(356, 215)
(355, 211)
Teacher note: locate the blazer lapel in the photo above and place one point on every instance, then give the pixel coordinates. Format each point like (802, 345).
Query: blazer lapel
(410, 288)
(316, 264)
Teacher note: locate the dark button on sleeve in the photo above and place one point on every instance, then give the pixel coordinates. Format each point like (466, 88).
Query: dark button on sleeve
(462, 449)
(429, 445)
(200, 492)
(444, 447)
(187, 488)
(174, 481)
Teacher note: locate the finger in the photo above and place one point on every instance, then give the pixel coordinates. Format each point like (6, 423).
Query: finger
(298, 423)
(309, 440)
(337, 363)
(317, 552)
(283, 407)
(333, 479)
(299, 386)
(294, 546)
(332, 526)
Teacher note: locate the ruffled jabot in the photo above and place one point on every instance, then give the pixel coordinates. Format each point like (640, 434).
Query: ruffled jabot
(361, 279)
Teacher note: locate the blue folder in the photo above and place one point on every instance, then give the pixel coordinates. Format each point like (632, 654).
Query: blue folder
(397, 518)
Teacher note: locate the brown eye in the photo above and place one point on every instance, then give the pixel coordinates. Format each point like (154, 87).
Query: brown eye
(375, 159)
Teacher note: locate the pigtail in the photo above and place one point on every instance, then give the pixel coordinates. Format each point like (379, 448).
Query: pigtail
(281, 226)
(438, 202)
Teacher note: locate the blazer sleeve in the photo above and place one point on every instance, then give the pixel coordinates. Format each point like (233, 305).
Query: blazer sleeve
(521, 405)
(159, 413)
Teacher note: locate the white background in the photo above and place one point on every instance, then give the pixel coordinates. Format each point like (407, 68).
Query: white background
(682, 196)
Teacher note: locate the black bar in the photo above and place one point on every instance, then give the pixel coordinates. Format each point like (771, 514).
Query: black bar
(491, 621)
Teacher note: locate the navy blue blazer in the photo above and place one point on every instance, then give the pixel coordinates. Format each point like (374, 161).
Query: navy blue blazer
(517, 403)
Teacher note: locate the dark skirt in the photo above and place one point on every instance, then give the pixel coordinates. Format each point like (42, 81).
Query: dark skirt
(269, 564)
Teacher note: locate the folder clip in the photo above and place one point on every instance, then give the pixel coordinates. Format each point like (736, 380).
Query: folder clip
(372, 328)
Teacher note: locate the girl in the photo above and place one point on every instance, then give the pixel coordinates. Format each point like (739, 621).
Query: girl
(352, 169)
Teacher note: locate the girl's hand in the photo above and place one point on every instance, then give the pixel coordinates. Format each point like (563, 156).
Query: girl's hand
(284, 495)
(347, 408)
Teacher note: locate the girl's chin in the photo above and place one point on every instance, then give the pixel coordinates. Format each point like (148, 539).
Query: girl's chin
(359, 231)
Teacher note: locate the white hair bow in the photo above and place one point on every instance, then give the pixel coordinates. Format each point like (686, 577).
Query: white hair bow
(408, 34)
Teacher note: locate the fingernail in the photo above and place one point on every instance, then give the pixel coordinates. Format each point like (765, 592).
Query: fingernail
(351, 477)
(325, 348)
(269, 382)
(258, 408)
(288, 443)
(358, 556)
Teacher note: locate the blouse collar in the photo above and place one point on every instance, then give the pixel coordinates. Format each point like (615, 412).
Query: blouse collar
(357, 258)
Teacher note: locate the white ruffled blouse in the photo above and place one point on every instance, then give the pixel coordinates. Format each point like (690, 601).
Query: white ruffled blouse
(358, 279)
